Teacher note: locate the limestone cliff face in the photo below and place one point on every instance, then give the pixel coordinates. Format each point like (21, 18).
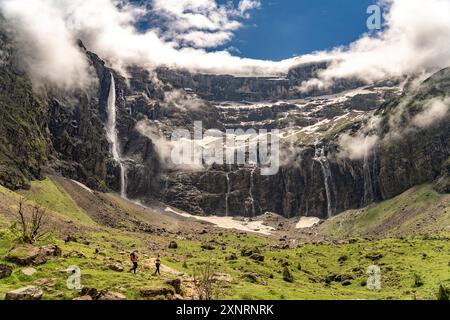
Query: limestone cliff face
(24, 140)
(65, 132)
(417, 156)
(231, 88)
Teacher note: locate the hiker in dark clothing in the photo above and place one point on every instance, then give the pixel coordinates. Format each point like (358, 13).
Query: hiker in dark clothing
(158, 265)
(134, 259)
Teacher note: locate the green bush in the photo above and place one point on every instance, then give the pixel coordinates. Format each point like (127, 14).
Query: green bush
(443, 293)
(287, 275)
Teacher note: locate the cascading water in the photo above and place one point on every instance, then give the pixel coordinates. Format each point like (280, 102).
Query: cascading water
(227, 196)
(368, 188)
(322, 159)
(112, 135)
(252, 188)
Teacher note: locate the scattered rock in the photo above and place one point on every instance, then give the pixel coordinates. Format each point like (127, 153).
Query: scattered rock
(374, 256)
(83, 298)
(231, 257)
(110, 295)
(25, 255)
(45, 282)
(5, 271)
(70, 238)
(173, 245)
(346, 283)
(29, 271)
(74, 254)
(253, 278)
(115, 267)
(248, 252)
(176, 284)
(207, 246)
(338, 278)
(222, 277)
(27, 293)
(257, 257)
(153, 293)
(91, 292)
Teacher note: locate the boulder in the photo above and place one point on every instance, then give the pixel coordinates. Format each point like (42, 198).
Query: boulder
(115, 267)
(246, 252)
(208, 246)
(26, 293)
(75, 254)
(84, 298)
(176, 284)
(231, 257)
(25, 255)
(374, 256)
(253, 278)
(110, 295)
(5, 271)
(29, 271)
(346, 283)
(153, 293)
(257, 257)
(173, 245)
(91, 292)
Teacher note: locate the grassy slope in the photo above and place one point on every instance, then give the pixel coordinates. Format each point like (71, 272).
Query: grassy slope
(49, 195)
(310, 264)
(420, 210)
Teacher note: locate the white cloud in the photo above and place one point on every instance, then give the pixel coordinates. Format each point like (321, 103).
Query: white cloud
(201, 23)
(415, 39)
(434, 112)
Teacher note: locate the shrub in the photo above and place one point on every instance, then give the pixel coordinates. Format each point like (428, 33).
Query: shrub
(287, 275)
(418, 282)
(30, 224)
(443, 293)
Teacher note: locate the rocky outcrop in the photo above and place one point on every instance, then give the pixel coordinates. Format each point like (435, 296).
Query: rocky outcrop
(27, 293)
(25, 255)
(5, 271)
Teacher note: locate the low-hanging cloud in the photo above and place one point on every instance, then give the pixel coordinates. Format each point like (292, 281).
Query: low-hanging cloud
(361, 145)
(434, 112)
(414, 39)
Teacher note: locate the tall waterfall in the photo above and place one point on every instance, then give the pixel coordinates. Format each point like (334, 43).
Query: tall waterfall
(368, 187)
(113, 137)
(252, 188)
(227, 196)
(322, 159)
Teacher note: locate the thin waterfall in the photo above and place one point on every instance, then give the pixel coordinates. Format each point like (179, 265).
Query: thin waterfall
(368, 187)
(113, 137)
(227, 196)
(322, 159)
(252, 188)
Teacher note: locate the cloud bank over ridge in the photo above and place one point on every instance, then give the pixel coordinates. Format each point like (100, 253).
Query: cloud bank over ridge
(414, 39)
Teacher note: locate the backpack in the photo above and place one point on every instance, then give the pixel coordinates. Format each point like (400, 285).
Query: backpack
(133, 256)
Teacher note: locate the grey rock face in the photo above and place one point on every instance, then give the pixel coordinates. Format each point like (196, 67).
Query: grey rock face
(27, 293)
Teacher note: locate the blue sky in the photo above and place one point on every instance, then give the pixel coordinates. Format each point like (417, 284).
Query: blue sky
(284, 28)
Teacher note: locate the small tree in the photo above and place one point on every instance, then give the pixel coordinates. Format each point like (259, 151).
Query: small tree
(29, 225)
(443, 293)
(287, 275)
(206, 286)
